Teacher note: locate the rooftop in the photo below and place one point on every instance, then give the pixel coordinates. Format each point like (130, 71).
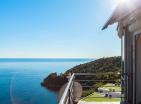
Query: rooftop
(122, 11)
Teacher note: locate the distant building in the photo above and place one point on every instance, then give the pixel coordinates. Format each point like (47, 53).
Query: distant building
(107, 92)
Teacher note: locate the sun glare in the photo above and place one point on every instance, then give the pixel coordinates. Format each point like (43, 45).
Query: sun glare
(122, 1)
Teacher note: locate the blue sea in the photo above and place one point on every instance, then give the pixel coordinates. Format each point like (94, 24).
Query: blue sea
(20, 79)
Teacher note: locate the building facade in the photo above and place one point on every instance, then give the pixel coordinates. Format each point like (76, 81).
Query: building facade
(128, 17)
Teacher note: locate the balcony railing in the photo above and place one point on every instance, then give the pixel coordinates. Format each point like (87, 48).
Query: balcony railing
(88, 82)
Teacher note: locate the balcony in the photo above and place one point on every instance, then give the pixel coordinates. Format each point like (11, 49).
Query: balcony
(87, 88)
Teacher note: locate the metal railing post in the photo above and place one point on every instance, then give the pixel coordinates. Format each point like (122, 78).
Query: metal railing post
(67, 91)
(69, 96)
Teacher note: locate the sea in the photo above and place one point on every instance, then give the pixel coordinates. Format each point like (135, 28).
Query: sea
(20, 79)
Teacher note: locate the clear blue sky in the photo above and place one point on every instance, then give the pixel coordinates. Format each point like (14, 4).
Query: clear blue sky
(57, 28)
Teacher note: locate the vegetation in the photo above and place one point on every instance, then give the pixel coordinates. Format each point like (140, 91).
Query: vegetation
(104, 69)
(111, 64)
(54, 82)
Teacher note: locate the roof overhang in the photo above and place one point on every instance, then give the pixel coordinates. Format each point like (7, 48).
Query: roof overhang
(125, 14)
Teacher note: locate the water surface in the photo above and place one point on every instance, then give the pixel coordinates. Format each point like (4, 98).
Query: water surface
(20, 79)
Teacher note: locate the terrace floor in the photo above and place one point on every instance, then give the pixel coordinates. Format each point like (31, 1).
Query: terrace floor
(84, 102)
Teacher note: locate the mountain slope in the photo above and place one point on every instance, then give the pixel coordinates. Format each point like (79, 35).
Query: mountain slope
(104, 68)
(111, 64)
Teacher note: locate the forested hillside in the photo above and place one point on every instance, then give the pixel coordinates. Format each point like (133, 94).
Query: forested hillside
(111, 64)
(104, 69)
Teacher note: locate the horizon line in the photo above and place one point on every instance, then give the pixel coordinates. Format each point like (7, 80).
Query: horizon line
(44, 58)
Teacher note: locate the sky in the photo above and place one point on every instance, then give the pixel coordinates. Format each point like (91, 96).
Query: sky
(57, 29)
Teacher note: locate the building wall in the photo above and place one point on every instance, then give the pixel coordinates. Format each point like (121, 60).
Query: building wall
(129, 66)
(138, 69)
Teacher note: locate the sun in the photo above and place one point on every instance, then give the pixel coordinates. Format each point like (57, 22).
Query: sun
(121, 1)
